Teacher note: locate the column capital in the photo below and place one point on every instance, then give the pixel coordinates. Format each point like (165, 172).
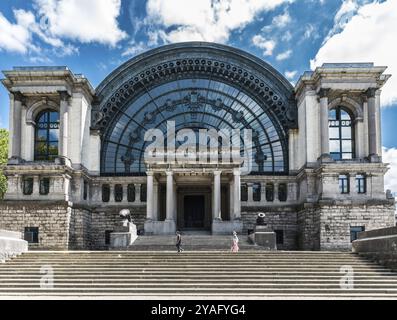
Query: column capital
(236, 172)
(371, 92)
(323, 93)
(18, 96)
(150, 173)
(64, 95)
(169, 173)
(217, 172)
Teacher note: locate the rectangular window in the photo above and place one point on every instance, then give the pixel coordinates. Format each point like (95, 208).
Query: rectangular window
(105, 193)
(269, 192)
(118, 193)
(27, 186)
(44, 186)
(282, 192)
(31, 234)
(354, 232)
(244, 192)
(143, 192)
(361, 183)
(131, 193)
(344, 187)
(85, 190)
(256, 192)
(279, 236)
(107, 236)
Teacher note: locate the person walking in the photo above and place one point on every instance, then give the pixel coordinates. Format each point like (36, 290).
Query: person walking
(235, 247)
(179, 241)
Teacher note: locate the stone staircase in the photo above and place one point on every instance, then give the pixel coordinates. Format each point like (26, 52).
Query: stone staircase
(193, 275)
(190, 242)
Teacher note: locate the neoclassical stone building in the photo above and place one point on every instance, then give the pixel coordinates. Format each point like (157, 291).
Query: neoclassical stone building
(77, 153)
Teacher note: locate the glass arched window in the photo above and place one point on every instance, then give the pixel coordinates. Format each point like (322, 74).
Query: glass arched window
(341, 141)
(46, 136)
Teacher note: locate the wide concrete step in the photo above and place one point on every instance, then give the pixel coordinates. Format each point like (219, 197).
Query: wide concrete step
(196, 274)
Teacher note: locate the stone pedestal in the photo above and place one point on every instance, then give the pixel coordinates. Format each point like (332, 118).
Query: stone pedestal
(11, 245)
(265, 237)
(124, 235)
(226, 227)
(160, 227)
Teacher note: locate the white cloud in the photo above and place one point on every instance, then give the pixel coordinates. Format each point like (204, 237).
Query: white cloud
(390, 156)
(309, 32)
(134, 49)
(13, 37)
(85, 21)
(369, 36)
(282, 20)
(284, 55)
(205, 20)
(346, 11)
(262, 43)
(290, 75)
(287, 36)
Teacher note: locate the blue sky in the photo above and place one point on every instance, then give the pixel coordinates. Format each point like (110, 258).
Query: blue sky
(93, 37)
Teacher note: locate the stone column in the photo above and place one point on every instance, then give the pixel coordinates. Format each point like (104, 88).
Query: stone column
(216, 210)
(276, 200)
(250, 192)
(150, 198)
(156, 201)
(231, 199)
(324, 126)
(16, 126)
(64, 124)
(237, 195)
(137, 193)
(175, 200)
(378, 124)
(372, 134)
(170, 197)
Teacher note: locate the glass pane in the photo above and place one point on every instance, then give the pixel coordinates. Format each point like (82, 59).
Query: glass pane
(344, 115)
(43, 117)
(347, 156)
(42, 135)
(54, 134)
(334, 133)
(346, 133)
(332, 114)
(54, 116)
(346, 146)
(41, 148)
(53, 148)
(334, 146)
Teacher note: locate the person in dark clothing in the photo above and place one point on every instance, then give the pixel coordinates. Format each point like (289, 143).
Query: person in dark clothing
(179, 241)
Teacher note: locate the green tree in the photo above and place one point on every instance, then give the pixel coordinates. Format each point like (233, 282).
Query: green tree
(3, 160)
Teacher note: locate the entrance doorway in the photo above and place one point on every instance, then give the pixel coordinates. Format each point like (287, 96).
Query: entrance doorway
(194, 211)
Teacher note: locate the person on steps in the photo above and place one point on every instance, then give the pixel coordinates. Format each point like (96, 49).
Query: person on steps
(179, 241)
(235, 247)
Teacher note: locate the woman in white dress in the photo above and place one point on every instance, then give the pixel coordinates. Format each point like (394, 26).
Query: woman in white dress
(235, 247)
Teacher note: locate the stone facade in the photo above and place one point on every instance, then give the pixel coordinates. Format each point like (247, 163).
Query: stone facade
(74, 200)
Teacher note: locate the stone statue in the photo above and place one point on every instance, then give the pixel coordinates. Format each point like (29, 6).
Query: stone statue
(389, 194)
(125, 214)
(125, 233)
(260, 220)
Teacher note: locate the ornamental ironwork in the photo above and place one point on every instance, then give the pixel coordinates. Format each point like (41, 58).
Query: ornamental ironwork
(197, 85)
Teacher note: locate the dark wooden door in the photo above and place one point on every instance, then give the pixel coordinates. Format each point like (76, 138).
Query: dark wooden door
(194, 211)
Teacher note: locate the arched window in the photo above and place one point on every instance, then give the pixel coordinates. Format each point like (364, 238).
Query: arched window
(46, 136)
(269, 192)
(282, 192)
(341, 141)
(256, 192)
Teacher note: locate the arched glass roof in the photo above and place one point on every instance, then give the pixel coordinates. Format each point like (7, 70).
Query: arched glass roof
(196, 92)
